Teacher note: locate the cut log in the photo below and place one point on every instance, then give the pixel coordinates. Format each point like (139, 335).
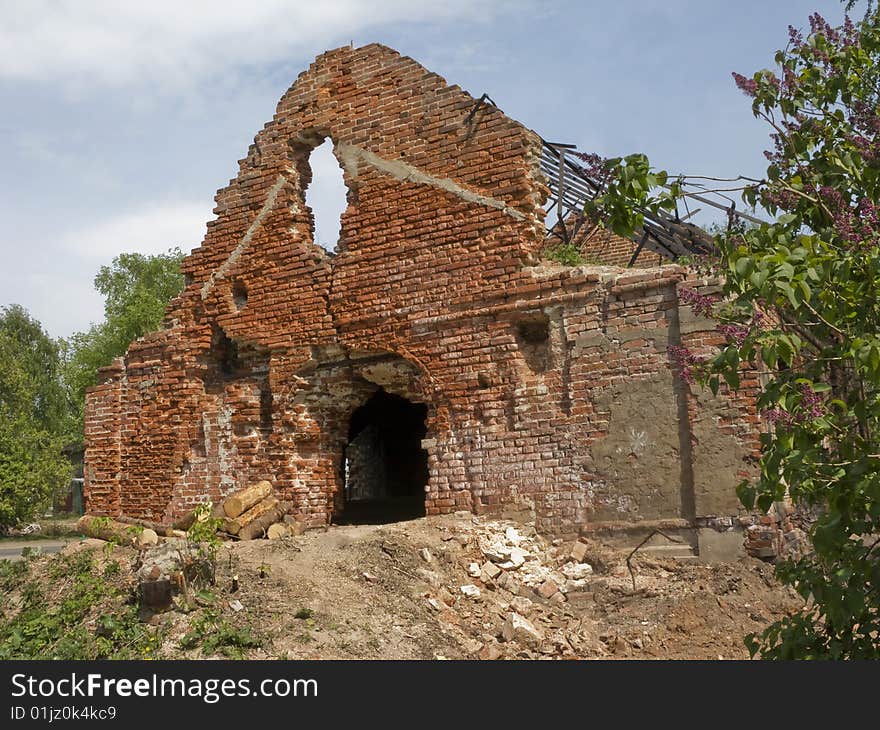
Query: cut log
(259, 525)
(147, 538)
(234, 526)
(105, 528)
(296, 525)
(276, 531)
(157, 527)
(242, 501)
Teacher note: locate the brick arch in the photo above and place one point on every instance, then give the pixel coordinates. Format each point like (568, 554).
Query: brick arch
(317, 405)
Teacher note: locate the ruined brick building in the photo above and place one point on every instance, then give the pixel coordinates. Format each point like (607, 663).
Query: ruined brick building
(434, 360)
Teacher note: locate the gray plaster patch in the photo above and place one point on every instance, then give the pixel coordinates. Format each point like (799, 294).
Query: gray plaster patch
(639, 457)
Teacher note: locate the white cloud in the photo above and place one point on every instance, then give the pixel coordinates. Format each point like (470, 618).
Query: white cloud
(159, 226)
(66, 303)
(97, 42)
(148, 230)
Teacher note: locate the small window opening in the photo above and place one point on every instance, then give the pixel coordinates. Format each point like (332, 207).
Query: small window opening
(239, 295)
(225, 353)
(532, 334)
(326, 195)
(266, 408)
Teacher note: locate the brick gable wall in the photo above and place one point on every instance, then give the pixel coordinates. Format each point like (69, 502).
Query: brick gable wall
(546, 386)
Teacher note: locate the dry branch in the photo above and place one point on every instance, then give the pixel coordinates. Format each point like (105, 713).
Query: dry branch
(629, 557)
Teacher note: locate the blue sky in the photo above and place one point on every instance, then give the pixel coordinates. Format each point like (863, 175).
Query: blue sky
(120, 119)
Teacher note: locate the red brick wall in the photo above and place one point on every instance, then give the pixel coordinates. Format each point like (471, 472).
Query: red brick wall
(274, 343)
(601, 246)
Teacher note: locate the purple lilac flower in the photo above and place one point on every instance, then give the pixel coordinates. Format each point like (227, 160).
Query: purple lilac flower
(701, 303)
(683, 362)
(748, 86)
(811, 407)
(596, 165)
(811, 401)
(735, 333)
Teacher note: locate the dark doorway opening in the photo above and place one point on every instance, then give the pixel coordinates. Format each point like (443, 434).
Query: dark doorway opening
(385, 466)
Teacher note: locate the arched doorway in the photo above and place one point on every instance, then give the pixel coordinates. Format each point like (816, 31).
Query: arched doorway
(385, 468)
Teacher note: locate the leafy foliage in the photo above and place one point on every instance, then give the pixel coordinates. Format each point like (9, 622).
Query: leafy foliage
(215, 635)
(566, 254)
(33, 418)
(801, 300)
(204, 529)
(631, 187)
(93, 620)
(200, 569)
(136, 291)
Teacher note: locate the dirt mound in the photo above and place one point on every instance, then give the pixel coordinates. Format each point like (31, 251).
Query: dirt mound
(461, 587)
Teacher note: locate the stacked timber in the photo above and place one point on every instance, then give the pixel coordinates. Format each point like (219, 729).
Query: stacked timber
(255, 512)
(250, 513)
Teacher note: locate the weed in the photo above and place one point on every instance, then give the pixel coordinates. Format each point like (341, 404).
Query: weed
(204, 528)
(566, 254)
(60, 629)
(215, 635)
(304, 613)
(111, 570)
(12, 574)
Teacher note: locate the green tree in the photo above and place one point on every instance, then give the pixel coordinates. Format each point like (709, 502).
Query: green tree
(800, 298)
(136, 291)
(34, 422)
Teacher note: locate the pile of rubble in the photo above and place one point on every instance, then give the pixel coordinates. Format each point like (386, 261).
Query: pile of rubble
(514, 561)
(514, 591)
(781, 533)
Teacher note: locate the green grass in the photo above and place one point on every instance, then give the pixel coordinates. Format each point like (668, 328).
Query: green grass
(215, 635)
(86, 617)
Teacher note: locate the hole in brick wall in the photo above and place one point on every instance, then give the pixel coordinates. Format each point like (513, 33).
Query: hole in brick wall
(385, 466)
(532, 332)
(326, 195)
(266, 408)
(198, 450)
(239, 295)
(224, 354)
